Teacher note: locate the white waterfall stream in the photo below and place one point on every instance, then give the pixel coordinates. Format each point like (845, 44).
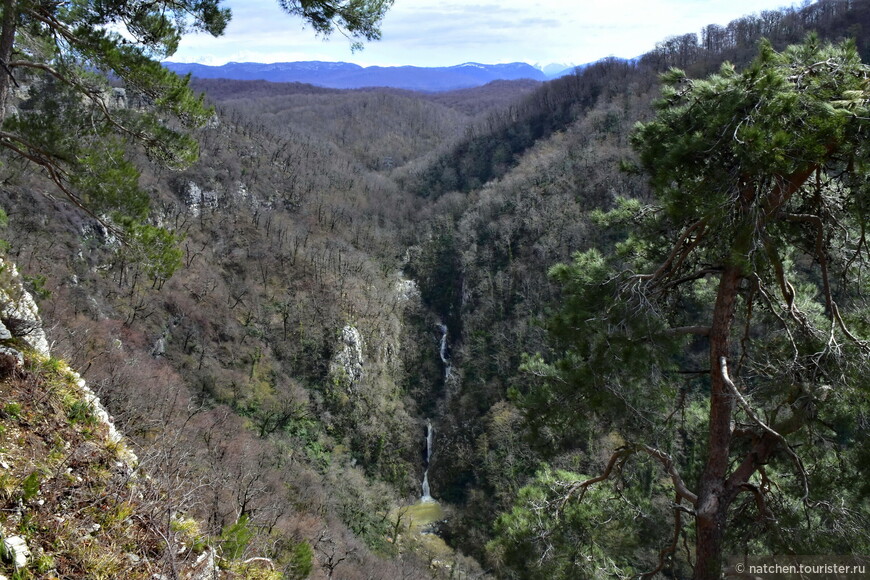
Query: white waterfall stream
(430, 441)
(430, 432)
(442, 352)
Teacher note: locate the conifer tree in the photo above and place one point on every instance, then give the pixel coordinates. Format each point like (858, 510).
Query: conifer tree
(725, 341)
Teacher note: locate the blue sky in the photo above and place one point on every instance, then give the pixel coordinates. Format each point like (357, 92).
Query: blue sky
(445, 32)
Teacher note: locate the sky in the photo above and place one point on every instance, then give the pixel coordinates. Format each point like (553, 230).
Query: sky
(449, 32)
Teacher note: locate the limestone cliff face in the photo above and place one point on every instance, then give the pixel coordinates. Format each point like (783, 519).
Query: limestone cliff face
(19, 309)
(347, 364)
(377, 338)
(198, 198)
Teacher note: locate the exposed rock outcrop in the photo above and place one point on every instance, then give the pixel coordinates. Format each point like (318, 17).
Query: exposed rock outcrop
(347, 365)
(19, 311)
(16, 551)
(197, 199)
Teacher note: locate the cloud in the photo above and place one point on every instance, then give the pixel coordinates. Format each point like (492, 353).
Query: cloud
(431, 33)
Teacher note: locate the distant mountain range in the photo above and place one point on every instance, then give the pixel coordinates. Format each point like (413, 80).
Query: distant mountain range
(343, 75)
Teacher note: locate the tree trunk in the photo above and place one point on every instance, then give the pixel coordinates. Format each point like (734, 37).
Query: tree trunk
(714, 498)
(716, 489)
(710, 530)
(7, 42)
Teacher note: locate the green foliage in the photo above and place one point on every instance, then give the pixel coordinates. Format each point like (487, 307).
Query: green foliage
(108, 182)
(353, 18)
(544, 538)
(784, 114)
(12, 410)
(5, 552)
(235, 538)
(30, 486)
(66, 124)
(612, 347)
(747, 261)
(81, 412)
(626, 210)
(153, 250)
(191, 532)
(300, 560)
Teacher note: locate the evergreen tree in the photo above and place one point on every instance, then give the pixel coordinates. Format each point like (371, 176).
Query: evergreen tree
(725, 341)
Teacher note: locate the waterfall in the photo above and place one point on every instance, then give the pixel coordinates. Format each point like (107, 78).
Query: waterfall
(426, 496)
(449, 381)
(427, 457)
(430, 439)
(442, 352)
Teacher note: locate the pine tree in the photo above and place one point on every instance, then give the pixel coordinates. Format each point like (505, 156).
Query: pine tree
(725, 341)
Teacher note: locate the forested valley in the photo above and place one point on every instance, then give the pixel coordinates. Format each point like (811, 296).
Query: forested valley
(362, 290)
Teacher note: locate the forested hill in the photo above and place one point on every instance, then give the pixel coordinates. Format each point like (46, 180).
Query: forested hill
(363, 296)
(470, 101)
(381, 128)
(494, 147)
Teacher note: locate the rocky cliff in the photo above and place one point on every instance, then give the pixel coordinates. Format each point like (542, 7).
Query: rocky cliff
(74, 500)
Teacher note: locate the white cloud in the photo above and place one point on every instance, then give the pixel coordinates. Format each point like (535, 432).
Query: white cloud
(431, 33)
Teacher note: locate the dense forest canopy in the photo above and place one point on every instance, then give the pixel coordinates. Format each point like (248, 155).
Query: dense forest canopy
(618, 320)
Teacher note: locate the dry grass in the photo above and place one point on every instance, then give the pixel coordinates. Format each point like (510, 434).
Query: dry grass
(64, 489)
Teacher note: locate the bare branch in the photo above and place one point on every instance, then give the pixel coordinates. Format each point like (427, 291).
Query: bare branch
(773, 309)
(862, 244)
(760, 502)
(863, 344)
(672, 547)
(693, 276)
(816, 221)
(620, 455)
(723, 363)
(616, 462)
(260, 560)
(696, 330)
(688, 241)
(668, 463)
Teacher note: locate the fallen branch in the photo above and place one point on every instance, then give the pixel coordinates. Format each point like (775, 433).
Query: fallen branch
(260, 560)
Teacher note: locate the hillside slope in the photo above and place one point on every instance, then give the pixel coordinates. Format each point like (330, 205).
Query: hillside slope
(275, 372)
(519, 195)
(76, 502)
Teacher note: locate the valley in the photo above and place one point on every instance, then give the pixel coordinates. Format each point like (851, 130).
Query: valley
(357, 358)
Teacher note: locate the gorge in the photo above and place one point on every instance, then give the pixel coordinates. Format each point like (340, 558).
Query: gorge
(359, 322)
